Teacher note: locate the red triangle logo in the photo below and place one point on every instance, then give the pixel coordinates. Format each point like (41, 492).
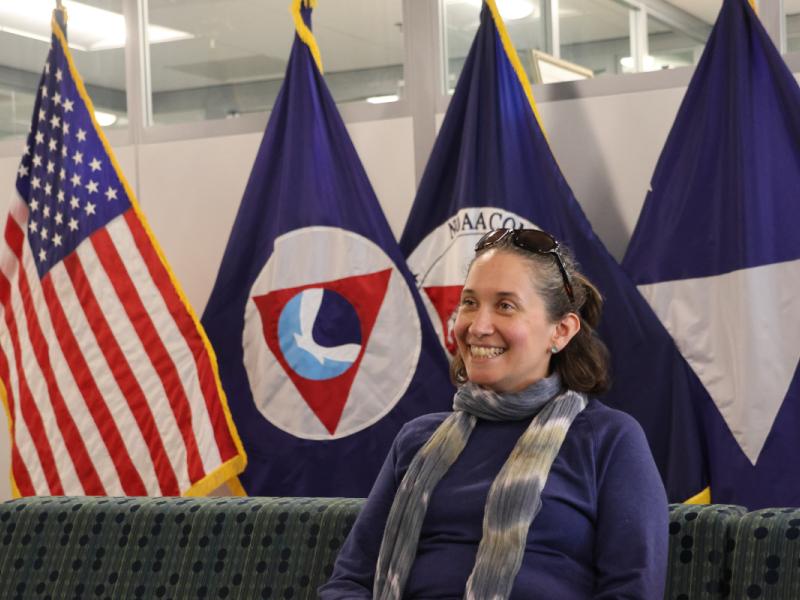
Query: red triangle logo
(445, 299)
(327, 398)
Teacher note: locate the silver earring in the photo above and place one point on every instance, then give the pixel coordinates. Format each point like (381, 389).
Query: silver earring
(554, 349)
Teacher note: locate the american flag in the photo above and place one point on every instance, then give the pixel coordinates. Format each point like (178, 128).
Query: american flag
(110, 383)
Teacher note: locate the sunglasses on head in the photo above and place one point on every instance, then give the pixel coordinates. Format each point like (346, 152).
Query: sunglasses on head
(532, 240)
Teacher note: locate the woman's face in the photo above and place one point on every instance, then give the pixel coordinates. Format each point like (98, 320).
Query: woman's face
(503, 332)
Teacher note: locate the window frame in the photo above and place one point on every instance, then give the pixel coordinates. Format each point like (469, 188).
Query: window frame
(425, 98)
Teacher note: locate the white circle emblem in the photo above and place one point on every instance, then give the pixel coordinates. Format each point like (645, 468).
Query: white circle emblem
(331, 334)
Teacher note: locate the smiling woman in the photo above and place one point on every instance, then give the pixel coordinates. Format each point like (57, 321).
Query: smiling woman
(529, 298)
(521, 490)
(505, 335)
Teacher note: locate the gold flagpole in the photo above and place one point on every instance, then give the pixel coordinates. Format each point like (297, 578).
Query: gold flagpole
(60, 8)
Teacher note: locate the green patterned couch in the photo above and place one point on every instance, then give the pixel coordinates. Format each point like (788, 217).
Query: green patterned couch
(718, 551)
(119, 548)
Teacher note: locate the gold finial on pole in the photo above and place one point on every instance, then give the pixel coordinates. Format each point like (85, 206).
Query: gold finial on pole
(63, 12)
(303, 30)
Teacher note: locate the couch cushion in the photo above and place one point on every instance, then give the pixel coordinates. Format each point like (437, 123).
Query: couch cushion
(170, 547)
(700, 546)
(766, 561)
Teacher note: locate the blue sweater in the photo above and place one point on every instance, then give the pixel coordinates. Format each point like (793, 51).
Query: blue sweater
(601, 532)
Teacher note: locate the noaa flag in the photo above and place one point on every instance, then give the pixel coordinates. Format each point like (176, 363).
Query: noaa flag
(716, 250)
(314, 315)
(492, 167)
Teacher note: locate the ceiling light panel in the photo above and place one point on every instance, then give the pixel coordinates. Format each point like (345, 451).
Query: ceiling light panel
(90, 28)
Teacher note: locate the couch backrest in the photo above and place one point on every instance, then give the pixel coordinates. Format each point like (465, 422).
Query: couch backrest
(170, 547)
(285, 548)
(700, 550)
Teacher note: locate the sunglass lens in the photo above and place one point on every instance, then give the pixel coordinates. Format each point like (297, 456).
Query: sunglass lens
(535, 240)
(490, 238)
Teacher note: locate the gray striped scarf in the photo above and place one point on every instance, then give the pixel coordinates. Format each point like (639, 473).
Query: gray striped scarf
(514, 498)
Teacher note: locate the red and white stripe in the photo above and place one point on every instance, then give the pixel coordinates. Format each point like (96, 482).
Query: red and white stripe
(110, 388)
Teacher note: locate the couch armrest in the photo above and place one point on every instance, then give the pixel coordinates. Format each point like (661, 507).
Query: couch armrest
(700, 547)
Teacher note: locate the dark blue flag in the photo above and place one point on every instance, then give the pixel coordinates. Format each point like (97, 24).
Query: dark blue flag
(716, 253)
(324, 346)
(492, 167)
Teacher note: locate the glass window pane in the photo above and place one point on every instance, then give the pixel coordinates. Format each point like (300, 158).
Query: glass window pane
(792, 25)
(228, 57)
(595, 34)
(669, 47)
(96, 34)
(524, 20)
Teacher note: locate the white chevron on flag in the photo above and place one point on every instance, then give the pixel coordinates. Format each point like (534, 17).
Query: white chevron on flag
(739, 332)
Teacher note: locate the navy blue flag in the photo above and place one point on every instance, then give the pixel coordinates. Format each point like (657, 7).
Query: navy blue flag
(492, 167)
(325, 349)
(716, 251)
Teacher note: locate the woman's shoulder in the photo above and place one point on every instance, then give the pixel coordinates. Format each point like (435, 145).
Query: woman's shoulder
(602, 414)
(610, 425)
(622, 455)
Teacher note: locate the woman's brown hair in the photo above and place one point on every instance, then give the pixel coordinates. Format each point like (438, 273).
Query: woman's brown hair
(583, 363)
